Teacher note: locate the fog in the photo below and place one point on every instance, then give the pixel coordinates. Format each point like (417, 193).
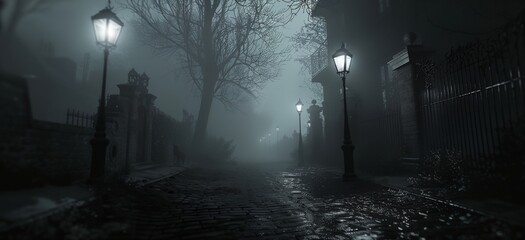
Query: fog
(67, 26)
(262, 119)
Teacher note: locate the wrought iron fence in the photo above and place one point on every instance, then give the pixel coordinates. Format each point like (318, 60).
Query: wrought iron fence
(80, 119)
(473, 101)
(319, 60)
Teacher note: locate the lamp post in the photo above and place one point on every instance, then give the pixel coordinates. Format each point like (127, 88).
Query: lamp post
(107, 28)
(299, 108)
(343, 59)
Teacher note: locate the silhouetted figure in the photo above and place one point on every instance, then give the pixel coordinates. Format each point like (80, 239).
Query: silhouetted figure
(178, 155)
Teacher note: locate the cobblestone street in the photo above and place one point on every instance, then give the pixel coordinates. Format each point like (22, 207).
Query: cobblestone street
(251, 202)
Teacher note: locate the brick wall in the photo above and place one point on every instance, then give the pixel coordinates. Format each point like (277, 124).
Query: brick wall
(406, 74)
(34, 152)
(62, 152)
(37, 152)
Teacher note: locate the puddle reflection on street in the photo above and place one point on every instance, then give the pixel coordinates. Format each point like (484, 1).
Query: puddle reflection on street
(381, 213)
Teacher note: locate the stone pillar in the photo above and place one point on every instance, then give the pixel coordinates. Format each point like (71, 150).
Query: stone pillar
(315, 131)
(129, 92)
(148, 101)
(410, 81)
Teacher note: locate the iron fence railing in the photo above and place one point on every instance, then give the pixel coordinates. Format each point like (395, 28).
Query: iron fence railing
(474, 100)
(80, 119)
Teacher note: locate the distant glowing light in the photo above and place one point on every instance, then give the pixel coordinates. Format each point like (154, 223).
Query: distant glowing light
(299, 106)
(107, 27)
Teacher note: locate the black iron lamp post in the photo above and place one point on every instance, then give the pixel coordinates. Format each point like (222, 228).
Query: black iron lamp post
(107, 28)
(343, 59)
(299, 108)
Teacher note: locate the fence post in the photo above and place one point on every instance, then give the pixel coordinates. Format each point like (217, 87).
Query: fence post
(409, 79)
(67, 116)
(77, 115)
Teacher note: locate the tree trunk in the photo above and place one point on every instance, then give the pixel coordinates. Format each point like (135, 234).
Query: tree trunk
(204, 114)
(209, 72)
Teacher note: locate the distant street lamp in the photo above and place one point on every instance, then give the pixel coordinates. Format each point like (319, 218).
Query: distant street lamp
(107, 28)
(277, 129)
(299, 108)
(343, 59)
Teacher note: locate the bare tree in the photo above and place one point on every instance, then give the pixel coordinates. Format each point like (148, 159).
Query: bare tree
(300, 5)
(308, 6)
(229, 48)
(311, 36)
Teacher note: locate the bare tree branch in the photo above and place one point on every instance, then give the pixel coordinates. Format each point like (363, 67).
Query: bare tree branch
(311, 36)
(228, 48)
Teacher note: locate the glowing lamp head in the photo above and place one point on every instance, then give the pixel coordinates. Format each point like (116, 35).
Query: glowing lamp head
(107, 27)
(299, 106)
(342, 60)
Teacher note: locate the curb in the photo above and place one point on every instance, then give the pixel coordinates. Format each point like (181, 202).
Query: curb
(80, 202)
(60, 208)
(162, 178)
(451, 203)
(435, 199)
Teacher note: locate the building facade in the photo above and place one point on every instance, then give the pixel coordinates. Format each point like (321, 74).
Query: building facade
(390, 41)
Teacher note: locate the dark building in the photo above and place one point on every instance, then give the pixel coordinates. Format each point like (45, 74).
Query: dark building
(385, 37)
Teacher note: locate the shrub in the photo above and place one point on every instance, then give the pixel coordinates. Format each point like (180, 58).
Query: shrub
(443, 168)
(215, 150)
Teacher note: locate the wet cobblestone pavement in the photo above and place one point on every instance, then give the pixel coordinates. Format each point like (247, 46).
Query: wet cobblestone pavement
(248, 202)
(361, 210)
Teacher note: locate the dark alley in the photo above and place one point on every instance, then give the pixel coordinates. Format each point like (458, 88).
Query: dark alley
(262, 119)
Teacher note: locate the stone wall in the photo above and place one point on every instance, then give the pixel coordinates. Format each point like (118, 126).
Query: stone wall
(407, 77)
(168, 132)
(36, 152)
(62, 152)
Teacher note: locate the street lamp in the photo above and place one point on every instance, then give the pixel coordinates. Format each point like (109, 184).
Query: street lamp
(107, 28)
(277, 129)
(343, 59)
(299, 108)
